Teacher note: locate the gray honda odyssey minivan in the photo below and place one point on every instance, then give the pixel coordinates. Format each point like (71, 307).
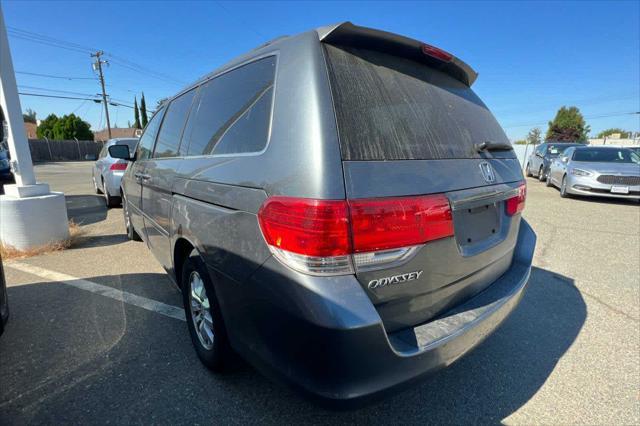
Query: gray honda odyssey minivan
(338, 207)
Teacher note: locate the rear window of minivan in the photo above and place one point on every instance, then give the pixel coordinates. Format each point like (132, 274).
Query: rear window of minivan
(393, 108)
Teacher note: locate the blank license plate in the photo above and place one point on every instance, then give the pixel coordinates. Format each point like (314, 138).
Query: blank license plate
(619, 189)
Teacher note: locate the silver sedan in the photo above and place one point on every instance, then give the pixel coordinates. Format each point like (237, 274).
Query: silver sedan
(597, 171)
(107, 171)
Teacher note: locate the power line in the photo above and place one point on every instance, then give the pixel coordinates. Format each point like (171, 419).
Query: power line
(55, 76)
(121, 61)
(17, 32)
(54, 90)
(586, 118)
(58, 97)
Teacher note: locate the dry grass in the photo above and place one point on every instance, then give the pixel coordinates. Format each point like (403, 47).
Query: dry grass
(75, 235)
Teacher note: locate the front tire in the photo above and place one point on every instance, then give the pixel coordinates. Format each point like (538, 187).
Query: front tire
(547, 181)
(204, 319)
(131, 233)
(541, 174)
(528, 170)
(563, 188)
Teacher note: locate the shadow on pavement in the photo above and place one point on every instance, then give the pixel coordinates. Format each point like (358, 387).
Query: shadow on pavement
(87, 241)
(69, 356)
(86, 209)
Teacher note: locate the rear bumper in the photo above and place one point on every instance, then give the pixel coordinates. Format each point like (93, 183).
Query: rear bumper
(112, 182)
(324, 336)
(589, 186)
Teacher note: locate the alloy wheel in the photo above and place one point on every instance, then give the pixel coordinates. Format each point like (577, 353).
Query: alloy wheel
(200, 310)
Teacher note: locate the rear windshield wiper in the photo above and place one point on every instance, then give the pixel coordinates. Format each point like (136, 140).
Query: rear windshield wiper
(493, 146)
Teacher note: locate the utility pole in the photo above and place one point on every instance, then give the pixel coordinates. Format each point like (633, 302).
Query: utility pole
(98, 65)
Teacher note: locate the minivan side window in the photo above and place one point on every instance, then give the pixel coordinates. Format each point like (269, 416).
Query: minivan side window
(145, 146)
(232, 113)
(168, 144)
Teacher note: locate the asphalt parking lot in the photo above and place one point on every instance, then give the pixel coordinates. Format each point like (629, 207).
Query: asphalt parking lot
(95, 335)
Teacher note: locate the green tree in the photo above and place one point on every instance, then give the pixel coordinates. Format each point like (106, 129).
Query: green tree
(63, 128)
(623, 133)
(45, 129)
(29, 116)
(143, 111)
(136, 114)
(568, 125)
(520, 142)
(72, 127)
(534, 136)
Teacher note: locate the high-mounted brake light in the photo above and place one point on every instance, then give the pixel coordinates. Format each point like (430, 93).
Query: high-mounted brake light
(516, 204)
(118, 166)
(436, 52)
(332, 237)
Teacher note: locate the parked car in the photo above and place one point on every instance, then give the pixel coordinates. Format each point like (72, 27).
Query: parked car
(540, 159)
(338, 207)
(4, 300)
(107, 171)
(6, 175)
(597, 171)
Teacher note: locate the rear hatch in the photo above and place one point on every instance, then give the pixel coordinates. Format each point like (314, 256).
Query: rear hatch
(411, 128)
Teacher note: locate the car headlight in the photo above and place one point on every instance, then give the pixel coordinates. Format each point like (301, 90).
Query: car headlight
(580, 172)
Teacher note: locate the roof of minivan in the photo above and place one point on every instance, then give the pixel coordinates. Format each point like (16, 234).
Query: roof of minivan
(346, 33)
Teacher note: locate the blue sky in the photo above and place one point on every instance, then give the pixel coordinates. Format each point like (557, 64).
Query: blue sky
(532, 57)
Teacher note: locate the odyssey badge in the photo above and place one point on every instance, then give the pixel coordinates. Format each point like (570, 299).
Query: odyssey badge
(395, 279)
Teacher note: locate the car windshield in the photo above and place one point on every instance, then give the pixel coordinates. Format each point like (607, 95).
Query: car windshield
(131, 143)
(606, 155)
(555, 150)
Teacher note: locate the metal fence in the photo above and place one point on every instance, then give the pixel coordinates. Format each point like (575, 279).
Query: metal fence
(67, 150)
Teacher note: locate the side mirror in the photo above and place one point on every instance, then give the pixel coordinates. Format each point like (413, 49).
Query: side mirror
(120, 151)
(565, 160)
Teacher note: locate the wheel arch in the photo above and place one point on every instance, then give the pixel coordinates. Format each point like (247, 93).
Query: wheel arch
(181, 249)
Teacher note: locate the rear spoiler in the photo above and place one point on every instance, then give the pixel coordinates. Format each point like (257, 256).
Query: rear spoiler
(347, 34)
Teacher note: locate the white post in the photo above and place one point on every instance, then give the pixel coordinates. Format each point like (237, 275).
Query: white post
(30, 215)
(10, 103)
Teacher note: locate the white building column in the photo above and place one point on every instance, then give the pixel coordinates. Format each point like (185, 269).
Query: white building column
(30, 215)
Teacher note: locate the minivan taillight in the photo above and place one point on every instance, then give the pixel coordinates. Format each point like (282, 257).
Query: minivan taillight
(334, 237)
(516, 204)
(118, 166)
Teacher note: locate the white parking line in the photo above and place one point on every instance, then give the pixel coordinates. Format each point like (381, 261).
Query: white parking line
(103, 290)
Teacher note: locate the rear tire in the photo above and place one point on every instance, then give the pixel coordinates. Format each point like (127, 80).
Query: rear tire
(563, 188)
(109, 200)
(95, 186)
(541, 174)
(131, 233)
(204, 319)
(528, 171)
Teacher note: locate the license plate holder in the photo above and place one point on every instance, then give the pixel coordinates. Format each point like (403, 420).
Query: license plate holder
(619, 189)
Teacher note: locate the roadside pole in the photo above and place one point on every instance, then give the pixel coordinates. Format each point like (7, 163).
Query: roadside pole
(30, 215)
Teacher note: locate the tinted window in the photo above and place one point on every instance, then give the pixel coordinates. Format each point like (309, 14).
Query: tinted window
(145, 146)
(168, 144)
(131, 143)
(233, 111)
(392, 108)
(555, 150)
(605, 155)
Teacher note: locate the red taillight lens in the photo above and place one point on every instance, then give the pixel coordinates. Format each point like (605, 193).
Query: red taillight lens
(328, 237)
(516, 204)
(309, 227)
(118, 166)
(436, 53)
(380, 224)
